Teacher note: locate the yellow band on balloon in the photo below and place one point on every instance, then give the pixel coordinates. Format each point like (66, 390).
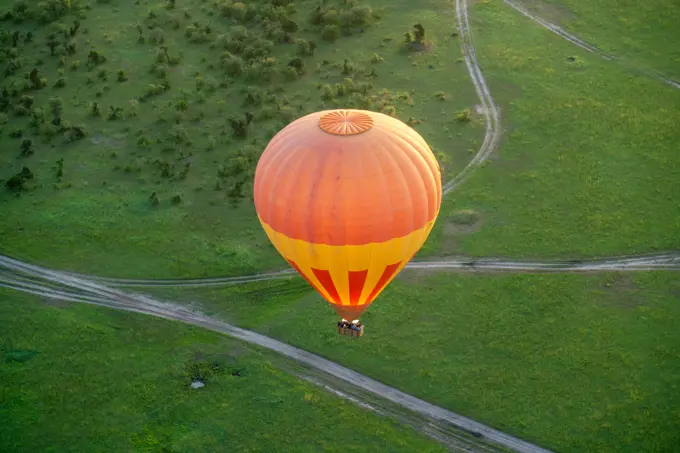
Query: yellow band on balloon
(340, 260)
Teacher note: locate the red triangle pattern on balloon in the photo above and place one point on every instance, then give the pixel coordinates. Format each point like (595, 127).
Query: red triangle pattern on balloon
(357, 281)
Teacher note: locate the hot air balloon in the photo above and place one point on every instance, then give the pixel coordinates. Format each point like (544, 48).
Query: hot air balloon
(347, 197)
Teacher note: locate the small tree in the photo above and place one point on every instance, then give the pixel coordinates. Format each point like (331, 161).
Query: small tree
(94, 58)
(36, 81)
(330, 33)
(240, 127)
(235, 194)
(56, 105)
(59, 169)
(26, 147)
(74, 29)
(94, 109)
(115, 113)
(52, 43)
(17, 183)
(419, 33)
(298, 65)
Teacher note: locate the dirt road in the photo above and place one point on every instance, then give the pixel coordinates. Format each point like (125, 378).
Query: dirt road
(458, 432)
(659, 261)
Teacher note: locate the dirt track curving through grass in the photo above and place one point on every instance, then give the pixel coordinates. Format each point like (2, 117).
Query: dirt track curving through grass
(659, 261)
(455, 431)
(585, 45)
(492, 134)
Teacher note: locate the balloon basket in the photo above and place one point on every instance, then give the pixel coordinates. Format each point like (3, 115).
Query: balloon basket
(353, 329)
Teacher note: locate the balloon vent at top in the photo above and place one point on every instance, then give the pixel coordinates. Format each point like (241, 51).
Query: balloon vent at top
(345, 122)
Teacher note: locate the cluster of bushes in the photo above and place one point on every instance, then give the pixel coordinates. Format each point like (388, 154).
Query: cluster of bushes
(47, 122)
(267, 69)
(45, 11)
(342, 17)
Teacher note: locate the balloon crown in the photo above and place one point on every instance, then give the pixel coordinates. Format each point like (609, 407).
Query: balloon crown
(345, 122)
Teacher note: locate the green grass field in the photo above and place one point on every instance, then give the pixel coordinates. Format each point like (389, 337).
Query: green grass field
(142, 166)
(85, 379)
(180, 142)
(589, 162)
(643, 32)
(572, 362)
(587, 165)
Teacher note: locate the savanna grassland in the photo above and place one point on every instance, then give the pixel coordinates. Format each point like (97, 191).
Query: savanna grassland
(588, 165)
(644, 33)
(130, 151)
(84, 379)
(573, 363)
(143, 122)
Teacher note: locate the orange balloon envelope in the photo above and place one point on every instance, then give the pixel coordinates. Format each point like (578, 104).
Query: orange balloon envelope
(348, 197)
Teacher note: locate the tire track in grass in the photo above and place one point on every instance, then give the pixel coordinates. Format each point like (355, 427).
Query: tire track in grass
(669, 261)
(587, 46)
(492, 134)
(453, 430)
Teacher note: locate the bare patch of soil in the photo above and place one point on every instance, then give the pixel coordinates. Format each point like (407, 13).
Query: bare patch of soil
(623, 292)
(465, 221)
(107, 141)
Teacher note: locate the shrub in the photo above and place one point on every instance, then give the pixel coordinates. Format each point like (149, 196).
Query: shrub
(233, 64)
(464, 116)
(327, 92)
(26, 147)
(17, 183)
(115, 113)
(298, 65)
(76, 132)
(330, 33)
(94, 58)
(390, 110)
(178, 134)
(176, 199)
(305, 48)
(20, 110)
(56, 105)
(94, 109)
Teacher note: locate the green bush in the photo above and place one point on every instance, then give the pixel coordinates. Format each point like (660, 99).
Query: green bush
(464, 116)
(330, 33)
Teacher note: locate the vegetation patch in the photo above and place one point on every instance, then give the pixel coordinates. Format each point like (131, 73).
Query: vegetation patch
(118, 381)
(158, 113)
(563, 354)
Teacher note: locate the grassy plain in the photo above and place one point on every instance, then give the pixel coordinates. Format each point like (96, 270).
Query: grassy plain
(98, 216)
(83, 379)
(588, 165)
(572, 362)
(642, 32)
